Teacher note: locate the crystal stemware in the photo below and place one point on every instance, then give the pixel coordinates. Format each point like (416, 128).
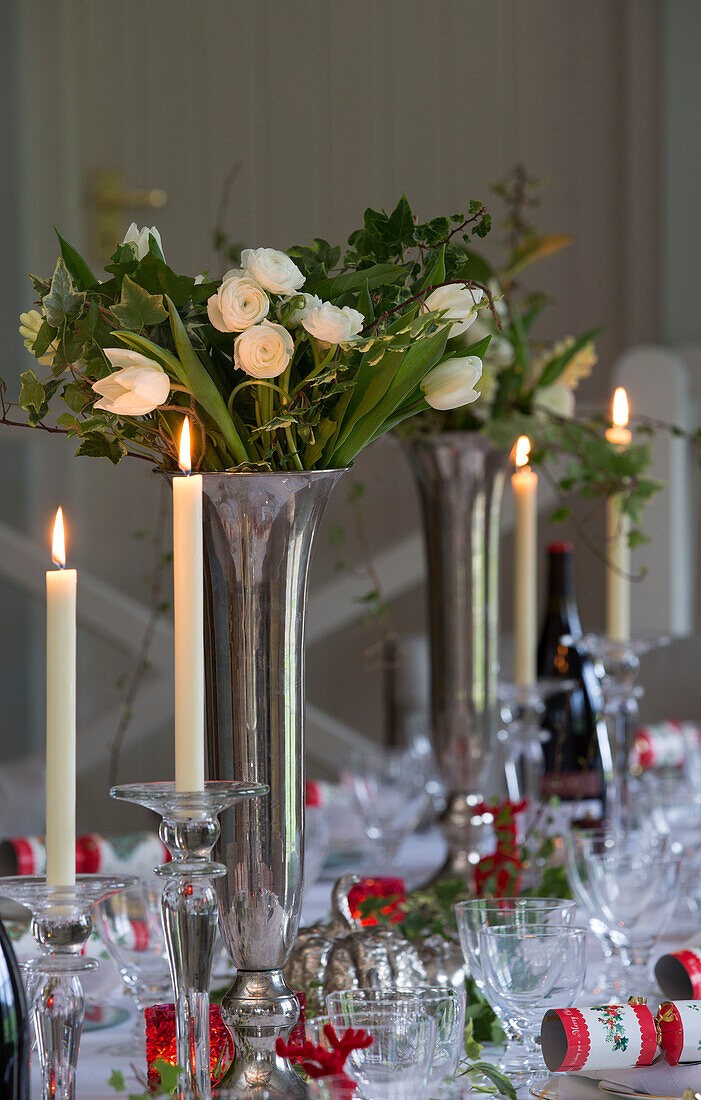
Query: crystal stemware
(397, 1066)
(130, 927)
(528, 969)
(636, 896)
(479, 913)
(389, 790)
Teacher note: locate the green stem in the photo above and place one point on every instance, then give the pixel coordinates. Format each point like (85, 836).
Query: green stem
(252, 382)
(293, 448)
(319, 365)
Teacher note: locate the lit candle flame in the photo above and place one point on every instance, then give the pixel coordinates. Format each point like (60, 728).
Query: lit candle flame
(58, 542)
(523, 449)
(185, 462)
(619, 410)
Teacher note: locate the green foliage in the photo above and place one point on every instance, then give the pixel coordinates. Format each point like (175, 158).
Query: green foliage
(137, 308)
(328, 404)
(63, 302)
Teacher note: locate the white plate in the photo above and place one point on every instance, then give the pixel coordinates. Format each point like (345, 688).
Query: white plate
(611, 1089)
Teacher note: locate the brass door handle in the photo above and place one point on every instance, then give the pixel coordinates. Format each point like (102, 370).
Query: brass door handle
(109, 200)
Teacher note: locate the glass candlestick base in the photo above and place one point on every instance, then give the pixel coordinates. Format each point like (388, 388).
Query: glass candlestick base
(61, 925)
(523, 708)
(190, 829)
(618, 667)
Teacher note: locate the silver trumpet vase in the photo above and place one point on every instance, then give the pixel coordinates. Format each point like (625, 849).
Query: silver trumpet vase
(259, 530)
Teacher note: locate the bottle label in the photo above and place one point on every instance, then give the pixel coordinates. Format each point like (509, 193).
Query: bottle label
(570, 786)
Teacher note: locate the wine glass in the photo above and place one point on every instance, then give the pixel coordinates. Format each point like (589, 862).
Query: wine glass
(527, 969)
(478, 913)
(129, 925)
(389, 790)
(636, 896)
(446, 1006)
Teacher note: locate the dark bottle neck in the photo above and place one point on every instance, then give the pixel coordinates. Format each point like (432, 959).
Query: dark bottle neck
(562, 603)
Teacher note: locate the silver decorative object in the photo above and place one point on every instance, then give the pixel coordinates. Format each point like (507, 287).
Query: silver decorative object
(461, 480)
(342, 954)
(61, 925)
(258, 534)
(189, 830)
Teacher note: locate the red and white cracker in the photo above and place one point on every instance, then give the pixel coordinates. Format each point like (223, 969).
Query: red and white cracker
(679, 974)
(603, 1037)
(680, 1031)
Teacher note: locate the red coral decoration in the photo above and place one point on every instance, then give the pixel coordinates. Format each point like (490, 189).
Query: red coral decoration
(499, 874)
(160, 1041)
(318, 1061)
(380, 887)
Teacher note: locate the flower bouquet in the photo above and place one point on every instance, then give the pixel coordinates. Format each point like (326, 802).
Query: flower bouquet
(294, 360)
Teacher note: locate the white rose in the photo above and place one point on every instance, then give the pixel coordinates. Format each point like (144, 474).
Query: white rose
(264, 350)
(274, 270)
(137, 387)
(459, 303)
(239, 303)
(30, 323)
(140, 237)
(311, 301)
(333, 324)
(557, 399)
(452, 383)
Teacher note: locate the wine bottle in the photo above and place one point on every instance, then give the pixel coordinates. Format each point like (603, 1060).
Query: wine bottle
(573, 768)
(14, 1025)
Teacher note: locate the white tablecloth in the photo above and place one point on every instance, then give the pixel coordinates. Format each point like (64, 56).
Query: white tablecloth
(421, 855)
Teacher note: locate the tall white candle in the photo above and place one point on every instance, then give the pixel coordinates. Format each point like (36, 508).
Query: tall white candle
(188, 573)
(524, 482)
(617, 529)
(61, 586)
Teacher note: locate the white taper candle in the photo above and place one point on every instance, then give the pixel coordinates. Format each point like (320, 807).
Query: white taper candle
(61, 587)
(524, 482)
(188, 573)
(617, 529)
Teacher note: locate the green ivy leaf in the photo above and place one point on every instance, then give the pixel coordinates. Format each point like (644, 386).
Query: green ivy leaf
(75, 396)
(63, 302)
(473, 1049)
(168, 1074)
(80, 272)
(31, 395)
(154, 275)
(137, 308)
(99, 445)
(116, 1081)
(45, 336)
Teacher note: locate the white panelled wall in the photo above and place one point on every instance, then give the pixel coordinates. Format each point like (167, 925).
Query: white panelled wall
(328, 107)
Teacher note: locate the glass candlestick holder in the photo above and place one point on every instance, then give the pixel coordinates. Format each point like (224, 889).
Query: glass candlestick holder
(190, 829)
(61, 925)
(522, 712)
(618, 666)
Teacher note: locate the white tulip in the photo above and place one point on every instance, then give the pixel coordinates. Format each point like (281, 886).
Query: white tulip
(274, 270)
(140, 237)
(311, 301)
(239, 303)
(138, 385)
(451, 384)
(264, 350)
(557, 399)
(458, 303)
(333, 324)
(30, 323)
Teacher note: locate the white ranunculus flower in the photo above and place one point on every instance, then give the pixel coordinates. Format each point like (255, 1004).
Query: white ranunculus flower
(140, 237)
(239, 303)
(459, 303)
(274, 270)
(451, 384)
(264, 350)
(138, 385)
(30, 323)
(311, 301)
(557, 399)
(333, 324)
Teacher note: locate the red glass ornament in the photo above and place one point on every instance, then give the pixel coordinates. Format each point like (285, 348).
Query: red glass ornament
(160, 1041)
